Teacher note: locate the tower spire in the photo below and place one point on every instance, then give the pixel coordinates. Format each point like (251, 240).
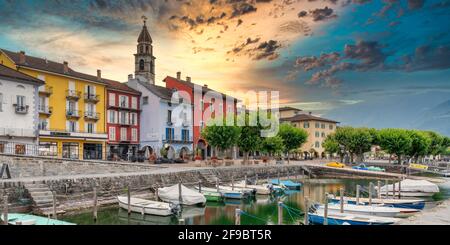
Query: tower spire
(144, 18)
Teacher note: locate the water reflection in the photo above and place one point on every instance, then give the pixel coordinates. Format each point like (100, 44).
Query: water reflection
(260, 210)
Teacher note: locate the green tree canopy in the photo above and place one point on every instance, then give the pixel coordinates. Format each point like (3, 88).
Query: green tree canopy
(420, 143)
(293, 137)
(220, 135)
(250, 137)
(331, 145)
(272, 145)
(395, 141)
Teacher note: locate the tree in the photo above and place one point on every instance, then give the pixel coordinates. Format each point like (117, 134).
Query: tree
(420, 143)
(272, 145)
(342, 137)
(395, 141)
(360, 141)
(249, 140)
(331, 145)
(222, 136)
(293, 137)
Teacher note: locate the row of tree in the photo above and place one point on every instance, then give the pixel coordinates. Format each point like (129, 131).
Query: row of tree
(248, 138)
(409, 144)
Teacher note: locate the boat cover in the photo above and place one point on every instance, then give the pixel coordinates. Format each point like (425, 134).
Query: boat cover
(189, 197)
(409, 185)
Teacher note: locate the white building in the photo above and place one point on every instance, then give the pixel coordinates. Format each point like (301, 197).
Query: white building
(18, 112)
(165, 122)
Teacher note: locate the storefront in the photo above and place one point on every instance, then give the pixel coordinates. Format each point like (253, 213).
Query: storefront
(92, 151)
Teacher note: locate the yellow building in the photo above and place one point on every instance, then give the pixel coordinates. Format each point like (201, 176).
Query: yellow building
(71, 107)
(318, 129)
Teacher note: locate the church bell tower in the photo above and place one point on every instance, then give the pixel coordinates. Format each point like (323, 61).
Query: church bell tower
(144, 61)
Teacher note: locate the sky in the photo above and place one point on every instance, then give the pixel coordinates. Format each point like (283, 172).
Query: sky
(355, 61)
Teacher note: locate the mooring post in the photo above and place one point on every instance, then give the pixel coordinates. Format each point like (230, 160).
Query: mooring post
(341, 201)
(54, 205)
(237, 216)
(370, 193)
(128, 200)
(393, 190)
(280, 213)
(5, 209)
(379, 189)
(325, 211)
(399, 189)
(200, 186)
(278, 177)
(256, 179)
(95, 204)
(181, 221)
(180, 195)
(245, 181)
(357, 194)
(217, 184)
(232, 182)
(306, 220)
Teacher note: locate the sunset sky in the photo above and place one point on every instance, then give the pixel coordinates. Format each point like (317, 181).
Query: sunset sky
(353, 60)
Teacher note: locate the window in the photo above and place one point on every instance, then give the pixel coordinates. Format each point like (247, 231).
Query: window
(134, 102)
(123, 134)
(70, 150)
(323, 135)
(317, 125)
(71, 107)
(42, 124)
(145, 100)
(20, 149)
(331, 126)
(185, 134)
(141, 49)
(20, 101)
(1, 102)
(48, 149)
(322, 125)
(133, 119)
(317, 134)
(141, 64)
(2, 147)
(90, 90)
(123, 101)
(146, 49)
(112, 116)
(134, 134)
(306, 125)
(317, 145)
(90, 108)
(123, 117)
(72, 126)
(112, 133)
(169, 116)
(112, 99)
(170, 133)
(90, 128)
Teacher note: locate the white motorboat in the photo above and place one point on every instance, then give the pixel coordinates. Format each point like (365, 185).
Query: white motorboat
(229, 194)
(334, 218)
(372, 210)
(398, 203)
(188, 197)
(411, 188)
(264, 189)
(143, 206)
(247, 190)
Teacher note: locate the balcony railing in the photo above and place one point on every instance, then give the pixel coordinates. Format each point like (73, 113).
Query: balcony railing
(21, 109)
(73, 114)
(89, 115)
(177, 139)
(73, 94)
(46, 110)
(46, 90)
(94, 98)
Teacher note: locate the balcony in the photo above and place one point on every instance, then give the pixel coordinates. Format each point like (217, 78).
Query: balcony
(177, 139)
(124, 123)
(21, 109)
(91, 98)
(45, 110)
(73, 95)
(73, 114)
(46, 90)
(89, 115)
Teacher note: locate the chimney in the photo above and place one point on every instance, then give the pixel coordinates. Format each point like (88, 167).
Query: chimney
(66, 67)
(205, 85)
(179, 75)
(130, 77)
(188, 79)
(99, 74)
(22, 57)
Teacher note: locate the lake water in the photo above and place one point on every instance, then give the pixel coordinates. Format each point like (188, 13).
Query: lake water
(260, 210)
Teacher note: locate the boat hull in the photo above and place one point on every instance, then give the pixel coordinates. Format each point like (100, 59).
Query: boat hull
(319, 219)
(167, 211)
(414, 205)
(379, 211)
(287, 183)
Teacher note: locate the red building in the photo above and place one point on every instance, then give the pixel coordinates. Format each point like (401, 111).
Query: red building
(204, 102)
(123, 121)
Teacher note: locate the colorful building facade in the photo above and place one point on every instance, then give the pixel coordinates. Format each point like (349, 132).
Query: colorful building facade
(71, 107)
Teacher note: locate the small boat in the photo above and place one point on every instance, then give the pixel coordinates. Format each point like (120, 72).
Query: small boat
(334, 218)
(369, 168)
(188, 197)
(396, 203)
(143, 206)
(264, 189)
(212, 196)
(286, 183)
(373, 210)
(411, 188)
(227, 194)
(29, 219)
(249, 191)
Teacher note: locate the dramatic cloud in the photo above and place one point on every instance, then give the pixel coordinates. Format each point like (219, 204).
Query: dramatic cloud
(369, 53)
(428, 58)
(322, 14)
(415, 4)
(267, 50)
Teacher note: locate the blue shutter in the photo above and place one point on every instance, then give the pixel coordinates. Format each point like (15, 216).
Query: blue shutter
(173, 134)
(167, 133)
(182, 134)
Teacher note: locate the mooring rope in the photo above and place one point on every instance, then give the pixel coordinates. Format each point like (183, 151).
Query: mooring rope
(253, 216)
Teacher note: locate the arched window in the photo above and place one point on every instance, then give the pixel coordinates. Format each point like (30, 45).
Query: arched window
(317, 144)
(146, 49)
(21, 86)
(141, 65)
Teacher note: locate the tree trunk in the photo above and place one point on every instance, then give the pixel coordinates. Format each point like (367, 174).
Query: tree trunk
(399, 158)
(246, 153)
(288, 156)
(390, 157)
(341, 157)
(351, 158)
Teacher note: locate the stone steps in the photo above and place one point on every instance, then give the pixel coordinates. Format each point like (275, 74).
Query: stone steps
(208, 177)
(42, 197)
